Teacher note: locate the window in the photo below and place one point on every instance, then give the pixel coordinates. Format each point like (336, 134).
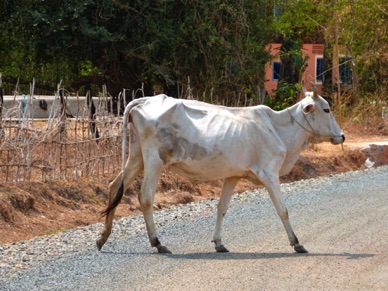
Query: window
(345, 70)
(276, 68)
(319, 69)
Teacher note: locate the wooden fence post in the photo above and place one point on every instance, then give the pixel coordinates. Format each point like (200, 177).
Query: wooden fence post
(92, 114)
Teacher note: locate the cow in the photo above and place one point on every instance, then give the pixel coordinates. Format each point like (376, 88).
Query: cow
(204, 142)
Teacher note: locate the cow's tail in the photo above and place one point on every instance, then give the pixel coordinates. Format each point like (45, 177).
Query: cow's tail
(126, 119)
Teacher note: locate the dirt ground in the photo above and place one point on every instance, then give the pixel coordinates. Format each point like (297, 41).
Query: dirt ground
(30, 209)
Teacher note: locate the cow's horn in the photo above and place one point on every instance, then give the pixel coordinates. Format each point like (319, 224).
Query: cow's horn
(314, 90)
(303, 87)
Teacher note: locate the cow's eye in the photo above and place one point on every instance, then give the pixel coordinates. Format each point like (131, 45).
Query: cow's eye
(326, 110)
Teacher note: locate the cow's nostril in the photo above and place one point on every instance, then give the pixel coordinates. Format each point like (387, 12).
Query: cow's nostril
(343, 137)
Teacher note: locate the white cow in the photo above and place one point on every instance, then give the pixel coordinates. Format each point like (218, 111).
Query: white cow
(206, 142)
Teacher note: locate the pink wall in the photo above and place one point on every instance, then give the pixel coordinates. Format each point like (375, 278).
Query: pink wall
(274, 50)
(312, 50)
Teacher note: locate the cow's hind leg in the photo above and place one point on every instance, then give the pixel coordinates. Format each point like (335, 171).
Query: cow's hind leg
(272, 184)
(150, 182)
(132, 169)
(226, 194)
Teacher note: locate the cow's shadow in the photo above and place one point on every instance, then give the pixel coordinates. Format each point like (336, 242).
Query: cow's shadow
(243, 255)
(257, 256)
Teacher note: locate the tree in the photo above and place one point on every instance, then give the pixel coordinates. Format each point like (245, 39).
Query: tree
(218, 44)
(316, 20)
(293, 29)
(364, 31)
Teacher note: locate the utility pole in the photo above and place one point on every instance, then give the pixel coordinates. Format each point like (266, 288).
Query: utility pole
(336, 63)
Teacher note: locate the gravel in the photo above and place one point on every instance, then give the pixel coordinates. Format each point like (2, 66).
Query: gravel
(18, 258)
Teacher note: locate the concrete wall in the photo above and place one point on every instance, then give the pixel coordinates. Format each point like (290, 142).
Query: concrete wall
(43, 106)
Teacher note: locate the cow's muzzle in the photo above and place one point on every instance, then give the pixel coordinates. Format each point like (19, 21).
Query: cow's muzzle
(338, 139)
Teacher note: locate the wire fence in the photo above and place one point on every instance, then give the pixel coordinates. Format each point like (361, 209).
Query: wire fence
(60, 146)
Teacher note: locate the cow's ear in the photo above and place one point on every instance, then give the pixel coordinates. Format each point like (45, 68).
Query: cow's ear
(309, 108)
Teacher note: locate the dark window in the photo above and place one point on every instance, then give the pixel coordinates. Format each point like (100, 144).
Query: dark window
(319, 70)
(345, 70)
(276, 68)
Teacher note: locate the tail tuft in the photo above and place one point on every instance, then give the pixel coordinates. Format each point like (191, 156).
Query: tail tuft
(115, 201)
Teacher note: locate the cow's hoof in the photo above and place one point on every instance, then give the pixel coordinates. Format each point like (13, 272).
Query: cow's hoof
(163, 250)
(99, 244)
(300, 250)
(222, 249)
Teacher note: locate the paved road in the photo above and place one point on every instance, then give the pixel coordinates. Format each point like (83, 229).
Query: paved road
(342, 221)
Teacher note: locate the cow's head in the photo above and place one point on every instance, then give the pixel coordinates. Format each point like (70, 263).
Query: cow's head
(320, 118)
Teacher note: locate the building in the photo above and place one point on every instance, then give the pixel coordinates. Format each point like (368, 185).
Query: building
(313, 72)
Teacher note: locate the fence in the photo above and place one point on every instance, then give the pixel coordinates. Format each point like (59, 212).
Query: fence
(59, 147)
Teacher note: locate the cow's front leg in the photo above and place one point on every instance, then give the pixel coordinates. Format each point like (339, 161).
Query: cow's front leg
(292, 237)
(272, 184)
(226, 194)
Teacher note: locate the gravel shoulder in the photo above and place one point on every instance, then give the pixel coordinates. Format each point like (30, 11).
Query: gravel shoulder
(340, 219)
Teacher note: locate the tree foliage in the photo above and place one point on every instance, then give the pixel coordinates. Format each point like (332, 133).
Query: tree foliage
(362, 31)
(219, 45)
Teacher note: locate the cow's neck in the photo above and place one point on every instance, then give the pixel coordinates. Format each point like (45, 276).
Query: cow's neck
(292, 128)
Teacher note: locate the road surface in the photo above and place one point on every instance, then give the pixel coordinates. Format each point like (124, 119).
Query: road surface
(341, 220)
